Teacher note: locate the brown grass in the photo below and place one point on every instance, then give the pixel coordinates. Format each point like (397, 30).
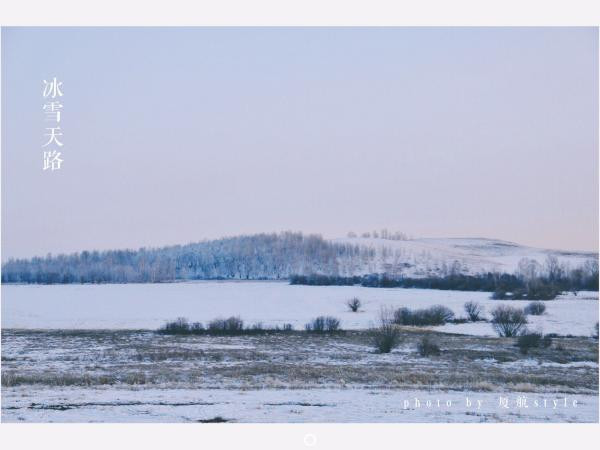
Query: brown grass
(297, 360)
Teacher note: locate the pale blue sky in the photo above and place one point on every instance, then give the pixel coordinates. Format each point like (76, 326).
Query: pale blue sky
(174, 135)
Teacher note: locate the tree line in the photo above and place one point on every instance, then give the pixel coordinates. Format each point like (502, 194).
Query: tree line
(260, 256)
(303, 259)
(531, 280)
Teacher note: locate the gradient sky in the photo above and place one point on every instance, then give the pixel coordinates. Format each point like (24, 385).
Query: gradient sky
(178, 134)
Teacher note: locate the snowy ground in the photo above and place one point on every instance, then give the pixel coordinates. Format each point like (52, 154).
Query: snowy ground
(72, 354)
(148, 306)
(302, 405)
(297, 377)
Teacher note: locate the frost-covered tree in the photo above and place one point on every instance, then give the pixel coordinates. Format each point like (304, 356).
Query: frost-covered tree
(260, 256)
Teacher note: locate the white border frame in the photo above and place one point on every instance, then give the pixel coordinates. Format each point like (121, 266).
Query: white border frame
(302, 12)
(309, 13)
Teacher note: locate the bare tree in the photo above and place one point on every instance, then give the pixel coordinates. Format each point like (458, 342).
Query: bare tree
(473, 310)
(553, 268)
(508, 321)
(528, 269)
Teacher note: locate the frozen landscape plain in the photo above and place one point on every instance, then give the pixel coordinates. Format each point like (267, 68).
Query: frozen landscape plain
(89, 353)
(148, 306)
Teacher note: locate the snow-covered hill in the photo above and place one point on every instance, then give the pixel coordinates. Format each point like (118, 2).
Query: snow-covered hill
(278, 256)
(439, 256)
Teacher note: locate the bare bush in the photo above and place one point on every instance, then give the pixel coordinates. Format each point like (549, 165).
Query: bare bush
(386, 336)
(323, 324)
(178, 326)
(474, 311)
(332, 324)
(259, 328)
(435, 315)
(527, 341)
(535, 309)
(232, 325)
(353, 304)
(508, 321)
(440, 314)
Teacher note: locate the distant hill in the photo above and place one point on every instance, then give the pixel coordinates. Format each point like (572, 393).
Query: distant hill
(441, 256)
(280, 255)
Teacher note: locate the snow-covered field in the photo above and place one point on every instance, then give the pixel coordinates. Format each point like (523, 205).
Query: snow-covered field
(148, 306)
(112, 373)
(301, 405)
(138, 376)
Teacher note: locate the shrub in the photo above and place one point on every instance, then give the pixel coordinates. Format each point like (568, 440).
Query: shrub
(439, 314)
(528, 340)
(427, 347)
(535, 309)
(353, 304)
(259, 328)
(387, 336)
(178, 326)
(542, 291)
(323, 324)
(317, 325)
(181, 326)
(473, 310)
(403, 316)
(332, 324)
(508, 321)
(232, 325)
(435, 315)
